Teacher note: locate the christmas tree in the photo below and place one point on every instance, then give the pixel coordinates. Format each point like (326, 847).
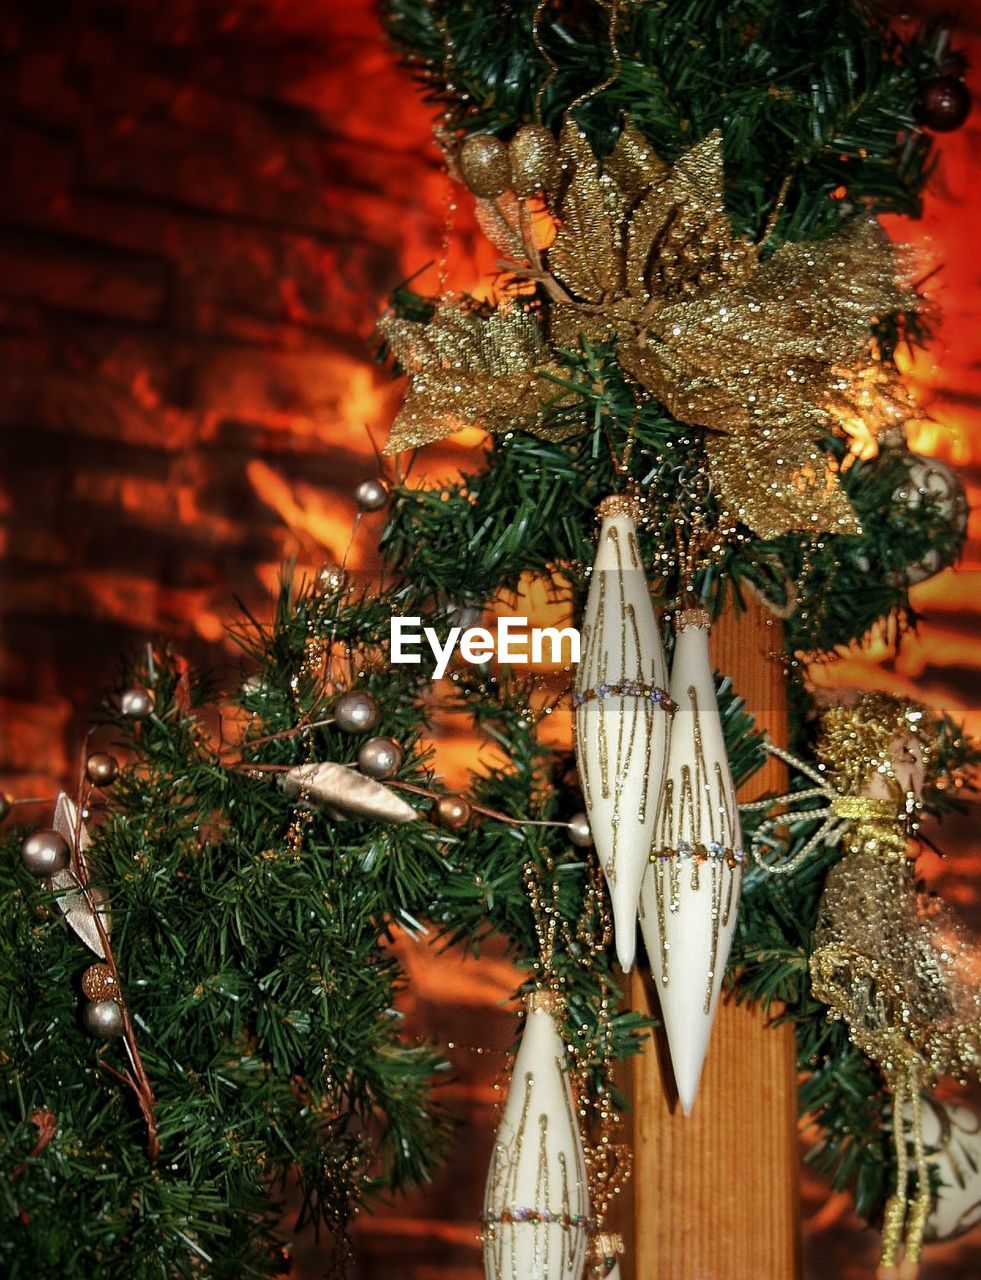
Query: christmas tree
(693, 329)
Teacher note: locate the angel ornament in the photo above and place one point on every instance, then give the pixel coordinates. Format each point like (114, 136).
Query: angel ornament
(888, 959)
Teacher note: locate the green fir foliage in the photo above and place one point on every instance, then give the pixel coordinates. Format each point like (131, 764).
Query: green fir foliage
(823, 89)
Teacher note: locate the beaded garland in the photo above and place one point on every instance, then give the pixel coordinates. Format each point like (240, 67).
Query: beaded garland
(565, 1220)
(627, 689)
(685, 849)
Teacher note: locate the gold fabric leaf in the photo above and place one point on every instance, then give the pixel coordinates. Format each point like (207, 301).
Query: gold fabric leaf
(587, 253)
(499, 221)
(744, 346)
(633, 164)
(470, 369)
(776, 482)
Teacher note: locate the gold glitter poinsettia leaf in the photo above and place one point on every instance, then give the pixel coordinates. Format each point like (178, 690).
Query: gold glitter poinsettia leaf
(633, 164)
(779, 484)
(743, 347)
(587, 255)
(471, 369)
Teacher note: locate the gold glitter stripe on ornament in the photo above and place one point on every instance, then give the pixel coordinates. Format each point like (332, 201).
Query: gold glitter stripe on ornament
(668, 875)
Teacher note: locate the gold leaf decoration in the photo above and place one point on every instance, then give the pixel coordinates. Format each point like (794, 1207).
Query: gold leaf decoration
(471, 369)
(633, 164)
(744, 346)
(748, 346)
(587, 253)
(500, 221)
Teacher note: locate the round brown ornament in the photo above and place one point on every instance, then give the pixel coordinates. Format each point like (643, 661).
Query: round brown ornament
(98, 983)
(453, 812)
(944, 104)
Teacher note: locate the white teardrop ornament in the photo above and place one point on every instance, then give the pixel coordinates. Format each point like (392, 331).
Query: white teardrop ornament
(691, 891)
(536, 1206)
(622, 713)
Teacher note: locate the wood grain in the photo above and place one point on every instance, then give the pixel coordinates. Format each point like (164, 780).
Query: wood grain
(715, 1196)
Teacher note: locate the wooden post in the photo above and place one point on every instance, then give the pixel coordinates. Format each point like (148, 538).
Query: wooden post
(715, 1196)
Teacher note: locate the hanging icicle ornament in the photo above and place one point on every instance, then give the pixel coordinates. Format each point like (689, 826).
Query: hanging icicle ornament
(536, 1222)
(622, 715)
(691, 891)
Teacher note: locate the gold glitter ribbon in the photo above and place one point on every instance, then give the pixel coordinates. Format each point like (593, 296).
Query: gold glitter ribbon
(879, 824)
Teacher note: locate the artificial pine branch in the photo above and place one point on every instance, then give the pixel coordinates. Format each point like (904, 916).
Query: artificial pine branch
(259, 971)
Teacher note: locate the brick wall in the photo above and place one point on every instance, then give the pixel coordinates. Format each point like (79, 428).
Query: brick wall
(202, 206)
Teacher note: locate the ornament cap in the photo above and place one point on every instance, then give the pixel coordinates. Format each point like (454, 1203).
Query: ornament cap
(620, 504)
(541, 1001)
(607, 1243)
(692, 619)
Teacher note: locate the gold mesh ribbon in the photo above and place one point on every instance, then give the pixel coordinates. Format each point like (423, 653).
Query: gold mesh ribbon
(879, 825)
